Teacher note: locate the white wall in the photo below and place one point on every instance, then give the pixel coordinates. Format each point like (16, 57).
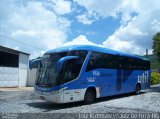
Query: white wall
(14, 77)
(23, 69)
(31, 77)
(9, 77)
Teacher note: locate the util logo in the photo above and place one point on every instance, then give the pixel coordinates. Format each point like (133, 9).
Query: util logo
(96, 73)
(143, 78)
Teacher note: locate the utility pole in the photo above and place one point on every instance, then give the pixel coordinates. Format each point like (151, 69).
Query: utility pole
(147, 53)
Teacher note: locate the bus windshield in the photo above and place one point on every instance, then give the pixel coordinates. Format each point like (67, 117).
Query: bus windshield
(48, 76)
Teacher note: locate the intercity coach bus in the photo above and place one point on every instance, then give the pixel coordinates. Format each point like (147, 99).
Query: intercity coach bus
(84, 73)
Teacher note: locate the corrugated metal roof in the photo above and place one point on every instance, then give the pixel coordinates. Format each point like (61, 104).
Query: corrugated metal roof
(13, 51)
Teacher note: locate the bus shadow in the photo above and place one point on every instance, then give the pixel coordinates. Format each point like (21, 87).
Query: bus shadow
(116, 97)
(48, 106)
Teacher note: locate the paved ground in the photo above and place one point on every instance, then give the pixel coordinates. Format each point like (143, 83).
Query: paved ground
(25, 102)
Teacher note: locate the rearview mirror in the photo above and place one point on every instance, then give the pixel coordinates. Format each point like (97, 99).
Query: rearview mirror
(62, 60)
(34, 63)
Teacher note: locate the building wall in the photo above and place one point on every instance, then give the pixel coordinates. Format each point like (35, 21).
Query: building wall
(15, 77)
(31, 77)
(23, 69)
(9, 77)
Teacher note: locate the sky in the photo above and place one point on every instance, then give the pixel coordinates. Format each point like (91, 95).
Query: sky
(123, 25)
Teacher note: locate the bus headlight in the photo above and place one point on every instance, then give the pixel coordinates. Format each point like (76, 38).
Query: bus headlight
(55, 92)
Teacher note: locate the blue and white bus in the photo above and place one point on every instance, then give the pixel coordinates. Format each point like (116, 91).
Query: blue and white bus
(84, 73)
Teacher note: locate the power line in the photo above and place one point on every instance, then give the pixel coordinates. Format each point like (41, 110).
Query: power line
(21, 42)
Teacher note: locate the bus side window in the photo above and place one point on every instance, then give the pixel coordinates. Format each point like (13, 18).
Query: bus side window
(101, 60)
(148, 65)
(72, 69)
(120, 62)
(94, 61)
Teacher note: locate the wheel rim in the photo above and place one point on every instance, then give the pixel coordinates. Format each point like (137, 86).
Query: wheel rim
(138, 89)
(90, 97)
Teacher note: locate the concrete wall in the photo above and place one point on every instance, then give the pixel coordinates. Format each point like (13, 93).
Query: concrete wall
(23, 69)
(31, 77)
(14, 77)
(9, 77)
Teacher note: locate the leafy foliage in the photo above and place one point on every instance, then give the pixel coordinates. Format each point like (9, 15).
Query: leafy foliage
(156, 45)
(154, 61)
(155, 78)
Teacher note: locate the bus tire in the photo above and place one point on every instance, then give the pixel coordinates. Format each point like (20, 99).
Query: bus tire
(138, 89)
(90, 96)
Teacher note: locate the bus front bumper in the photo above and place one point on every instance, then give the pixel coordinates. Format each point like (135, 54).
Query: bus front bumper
(48, 96)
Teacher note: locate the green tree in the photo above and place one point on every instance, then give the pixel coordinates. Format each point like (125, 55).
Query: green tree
(156, 45)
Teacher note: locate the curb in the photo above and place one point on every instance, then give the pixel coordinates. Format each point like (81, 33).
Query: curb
(17, 89)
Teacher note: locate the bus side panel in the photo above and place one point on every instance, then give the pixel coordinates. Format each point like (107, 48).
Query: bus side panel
(129, 81)
(107, 82)
(112, 81)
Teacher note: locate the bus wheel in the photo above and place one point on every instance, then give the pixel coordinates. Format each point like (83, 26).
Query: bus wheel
(89, 96)
(138, 88)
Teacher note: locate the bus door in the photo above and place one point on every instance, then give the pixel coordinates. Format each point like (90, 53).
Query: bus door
(119, 79)
(71, 72)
